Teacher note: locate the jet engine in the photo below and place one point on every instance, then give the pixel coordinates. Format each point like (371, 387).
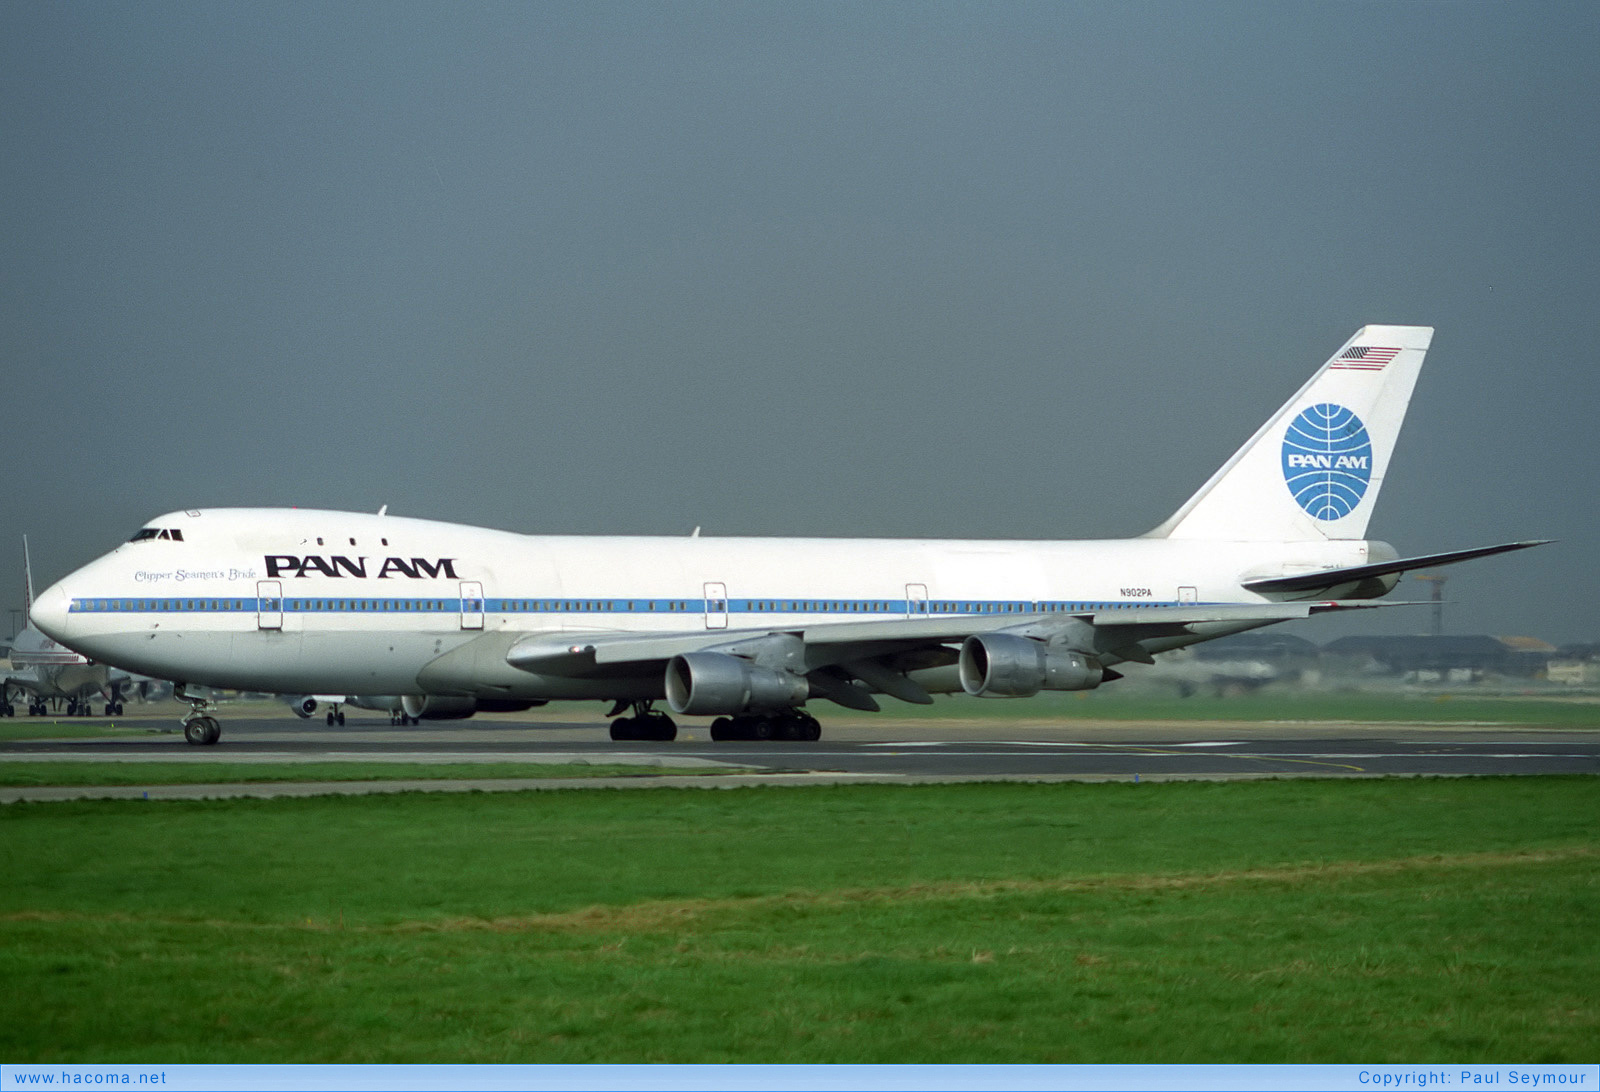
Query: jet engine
(304, 707)
(438, 707)
(1003, 665)
(716, 684)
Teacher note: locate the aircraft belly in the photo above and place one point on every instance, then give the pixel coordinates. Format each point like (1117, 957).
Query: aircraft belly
(556, 688)
(346, 662)
(273, 661)
(196, 657)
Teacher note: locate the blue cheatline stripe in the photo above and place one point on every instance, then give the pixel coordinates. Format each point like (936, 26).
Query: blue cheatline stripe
(776, 606)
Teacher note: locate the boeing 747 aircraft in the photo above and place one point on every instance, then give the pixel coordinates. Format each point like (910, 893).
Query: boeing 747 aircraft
(454, 619)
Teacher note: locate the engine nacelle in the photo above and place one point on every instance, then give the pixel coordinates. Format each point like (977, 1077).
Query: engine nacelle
(716, 684)
(1003, 665)
(438, 707)
(304, 706)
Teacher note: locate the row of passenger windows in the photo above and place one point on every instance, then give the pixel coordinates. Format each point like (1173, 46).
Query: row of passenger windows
(146, 605)
(398, 605)
(568, 606)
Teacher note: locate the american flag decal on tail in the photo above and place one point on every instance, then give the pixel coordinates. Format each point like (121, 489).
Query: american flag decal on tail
(1364, 358)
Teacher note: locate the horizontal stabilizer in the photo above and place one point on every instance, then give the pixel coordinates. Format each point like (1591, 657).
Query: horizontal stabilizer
(1327, 578)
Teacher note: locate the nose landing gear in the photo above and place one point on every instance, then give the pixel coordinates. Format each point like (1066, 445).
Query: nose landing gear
(200, 729)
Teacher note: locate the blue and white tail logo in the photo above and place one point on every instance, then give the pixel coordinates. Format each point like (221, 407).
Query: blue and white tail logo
(1314, 470)
(1327, 460)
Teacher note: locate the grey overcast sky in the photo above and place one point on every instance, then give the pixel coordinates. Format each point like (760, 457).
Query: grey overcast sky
(988, 270)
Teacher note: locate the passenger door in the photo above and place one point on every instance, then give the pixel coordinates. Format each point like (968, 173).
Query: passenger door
(471, 604)
(269, 604)
(716, 605)
(916, 600)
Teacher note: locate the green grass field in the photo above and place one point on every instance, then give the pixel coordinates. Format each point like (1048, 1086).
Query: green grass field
(1416, 920)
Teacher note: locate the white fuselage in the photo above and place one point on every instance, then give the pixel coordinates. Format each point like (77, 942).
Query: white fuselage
(305, 601)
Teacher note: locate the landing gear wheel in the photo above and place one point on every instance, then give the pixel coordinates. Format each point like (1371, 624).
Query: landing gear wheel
(721, 729)
(202, 731)
(339, 718)
(330, 718)
(644, 724)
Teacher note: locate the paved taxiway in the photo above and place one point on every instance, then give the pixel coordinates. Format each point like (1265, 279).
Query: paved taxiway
(896, 751)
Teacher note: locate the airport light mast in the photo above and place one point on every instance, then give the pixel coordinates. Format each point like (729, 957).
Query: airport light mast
(1437, 580)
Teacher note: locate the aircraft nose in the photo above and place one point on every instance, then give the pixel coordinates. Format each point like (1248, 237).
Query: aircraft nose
(51, 611)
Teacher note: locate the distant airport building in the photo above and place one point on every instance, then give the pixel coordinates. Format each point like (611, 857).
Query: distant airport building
(1575, 665)
(1283, 650)
(1446, 658)
(1282, 657)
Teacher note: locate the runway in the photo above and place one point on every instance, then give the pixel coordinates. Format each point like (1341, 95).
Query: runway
(899, 751)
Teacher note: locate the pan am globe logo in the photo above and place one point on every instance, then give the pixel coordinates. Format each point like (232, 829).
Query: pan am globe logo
(1327, 460)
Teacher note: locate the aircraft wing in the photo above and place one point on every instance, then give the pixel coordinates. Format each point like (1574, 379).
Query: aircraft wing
(1112, 634)
(1328, 578)
(22, 678)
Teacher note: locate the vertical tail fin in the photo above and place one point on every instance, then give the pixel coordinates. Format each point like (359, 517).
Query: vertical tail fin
(1313, 471)
(27, 575)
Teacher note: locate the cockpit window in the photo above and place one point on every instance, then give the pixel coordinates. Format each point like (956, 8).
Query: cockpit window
(146, 533)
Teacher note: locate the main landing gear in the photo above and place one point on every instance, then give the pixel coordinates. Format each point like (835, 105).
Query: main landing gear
(644, 724)
(795, 724)
(200, 729)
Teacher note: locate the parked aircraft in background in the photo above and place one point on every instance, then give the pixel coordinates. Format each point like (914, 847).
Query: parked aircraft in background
(455, 619)
(305, 706)
(51, 675)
